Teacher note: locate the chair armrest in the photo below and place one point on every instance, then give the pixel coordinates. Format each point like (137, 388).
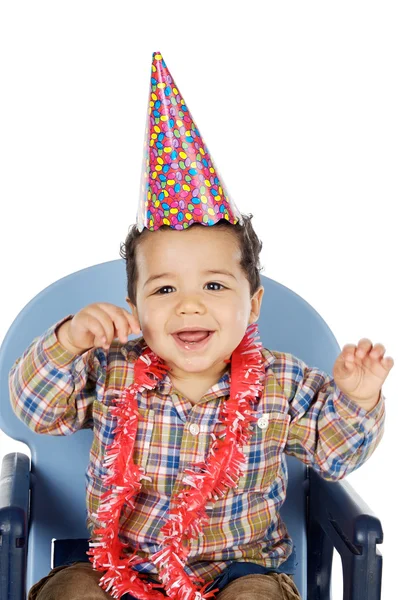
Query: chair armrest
(14, 513)
(339, 518)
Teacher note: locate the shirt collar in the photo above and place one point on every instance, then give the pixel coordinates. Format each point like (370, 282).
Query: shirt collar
(133, 348)
(221, 388)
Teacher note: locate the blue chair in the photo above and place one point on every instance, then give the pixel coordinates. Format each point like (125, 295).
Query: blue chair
(46, 528)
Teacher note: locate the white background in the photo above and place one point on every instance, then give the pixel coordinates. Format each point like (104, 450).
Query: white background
(297, 102)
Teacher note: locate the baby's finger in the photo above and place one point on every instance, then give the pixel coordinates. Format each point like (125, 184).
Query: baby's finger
(120, 320)
(349, 364)
(377, 351)
(106, 322)
(134, 326)
(364, 346)
(387, 362)
(96, 328)
(121, 326)
(348, 352)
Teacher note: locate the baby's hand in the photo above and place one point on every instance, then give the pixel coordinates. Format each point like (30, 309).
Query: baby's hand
(95, 326)
(360, 371)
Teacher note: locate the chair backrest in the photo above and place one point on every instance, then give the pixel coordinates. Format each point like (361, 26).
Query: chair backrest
(57, 510)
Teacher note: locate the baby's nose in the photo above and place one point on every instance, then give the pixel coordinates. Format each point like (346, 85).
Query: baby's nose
(191, 304)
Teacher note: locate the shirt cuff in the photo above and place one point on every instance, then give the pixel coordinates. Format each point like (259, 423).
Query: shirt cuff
(356, 414)
(54, 351)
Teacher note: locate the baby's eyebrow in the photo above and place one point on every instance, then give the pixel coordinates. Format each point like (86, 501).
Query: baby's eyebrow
(219, 272)
(209, 271)
(159, 276)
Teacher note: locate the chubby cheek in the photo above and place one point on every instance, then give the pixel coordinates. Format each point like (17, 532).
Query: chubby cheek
(235, 317)
(152, 327)
(242, 317)
(148, 321)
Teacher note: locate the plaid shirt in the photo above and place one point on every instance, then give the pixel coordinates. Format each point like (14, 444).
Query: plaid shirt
(301, 413)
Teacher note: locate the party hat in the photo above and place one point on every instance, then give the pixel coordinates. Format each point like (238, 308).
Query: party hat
(180, 184)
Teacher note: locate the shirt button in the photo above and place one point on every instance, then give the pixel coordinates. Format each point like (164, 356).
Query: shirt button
(194, 429)
(262, 422)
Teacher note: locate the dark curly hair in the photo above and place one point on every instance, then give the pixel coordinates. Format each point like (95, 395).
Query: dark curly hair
(249, 244)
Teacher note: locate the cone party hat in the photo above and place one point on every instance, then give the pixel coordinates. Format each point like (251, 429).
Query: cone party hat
(180, 184)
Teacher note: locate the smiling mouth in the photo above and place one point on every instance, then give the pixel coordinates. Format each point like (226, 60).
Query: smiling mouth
(190, 343)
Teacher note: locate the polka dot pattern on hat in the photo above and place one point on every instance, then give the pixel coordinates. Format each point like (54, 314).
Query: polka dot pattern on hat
(179, 183)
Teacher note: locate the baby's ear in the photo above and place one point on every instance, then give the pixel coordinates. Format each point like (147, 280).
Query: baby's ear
(133, 310)
(256, 304)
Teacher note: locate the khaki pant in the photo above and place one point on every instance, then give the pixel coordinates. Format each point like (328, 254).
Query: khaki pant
(79, 581)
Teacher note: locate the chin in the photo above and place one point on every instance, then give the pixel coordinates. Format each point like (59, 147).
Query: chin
(191, 363)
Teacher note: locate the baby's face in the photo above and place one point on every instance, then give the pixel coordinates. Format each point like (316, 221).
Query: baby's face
(176, 289)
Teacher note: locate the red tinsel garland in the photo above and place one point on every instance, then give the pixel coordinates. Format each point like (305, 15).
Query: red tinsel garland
(206, 482)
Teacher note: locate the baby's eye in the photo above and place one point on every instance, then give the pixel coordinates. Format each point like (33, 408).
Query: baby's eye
(168, 287)
(165, 287)
(214, 283)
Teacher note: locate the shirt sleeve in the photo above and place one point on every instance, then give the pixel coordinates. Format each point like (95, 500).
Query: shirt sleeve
(52, 389)
(328, 431)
